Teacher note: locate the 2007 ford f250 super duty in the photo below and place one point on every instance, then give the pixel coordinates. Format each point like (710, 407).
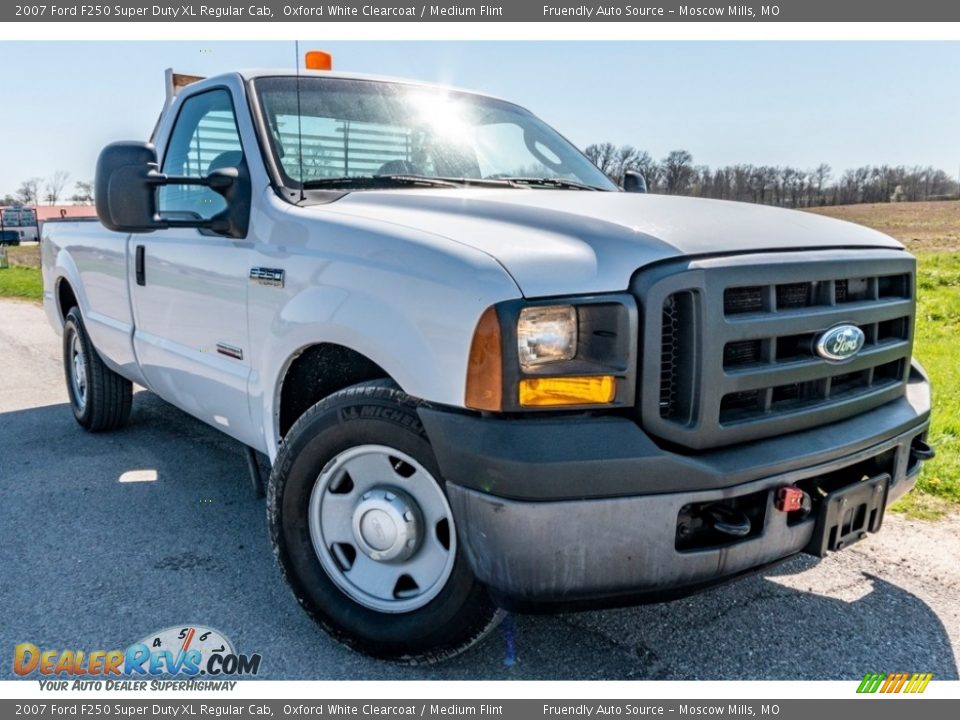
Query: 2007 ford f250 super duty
(485, 376)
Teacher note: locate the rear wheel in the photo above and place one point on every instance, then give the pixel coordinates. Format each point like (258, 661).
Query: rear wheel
(100, 398)
(364, 534)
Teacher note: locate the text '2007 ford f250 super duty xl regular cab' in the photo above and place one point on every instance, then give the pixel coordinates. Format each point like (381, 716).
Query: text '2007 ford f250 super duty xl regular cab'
(485, 376)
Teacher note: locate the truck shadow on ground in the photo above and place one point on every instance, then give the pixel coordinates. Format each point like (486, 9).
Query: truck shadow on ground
(105, 556)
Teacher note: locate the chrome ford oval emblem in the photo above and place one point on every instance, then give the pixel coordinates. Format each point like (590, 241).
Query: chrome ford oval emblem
(840, 343)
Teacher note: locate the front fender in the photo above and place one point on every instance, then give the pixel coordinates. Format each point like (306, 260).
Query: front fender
(407, 300)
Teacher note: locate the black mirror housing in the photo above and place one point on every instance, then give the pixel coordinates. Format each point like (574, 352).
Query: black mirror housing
(126, 199)
(634, 182)
(126, 193)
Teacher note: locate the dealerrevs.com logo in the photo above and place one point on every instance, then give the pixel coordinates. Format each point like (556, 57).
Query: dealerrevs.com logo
(188, 652)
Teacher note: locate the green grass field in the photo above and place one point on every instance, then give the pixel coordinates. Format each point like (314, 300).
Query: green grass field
(21, 282)
(938, 328)
(936, 347)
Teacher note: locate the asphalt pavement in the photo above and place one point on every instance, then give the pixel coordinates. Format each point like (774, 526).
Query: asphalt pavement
(93, 560)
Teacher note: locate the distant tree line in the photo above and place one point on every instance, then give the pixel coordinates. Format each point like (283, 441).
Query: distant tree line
(676, 174)
(37, 190)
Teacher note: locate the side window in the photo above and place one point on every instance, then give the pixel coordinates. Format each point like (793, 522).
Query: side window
(204, 138)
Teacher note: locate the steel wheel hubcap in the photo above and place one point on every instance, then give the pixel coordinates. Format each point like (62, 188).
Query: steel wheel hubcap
(382, 528)
(386, 526)
(79, 376)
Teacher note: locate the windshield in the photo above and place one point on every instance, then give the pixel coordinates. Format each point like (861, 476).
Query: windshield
(348, 129)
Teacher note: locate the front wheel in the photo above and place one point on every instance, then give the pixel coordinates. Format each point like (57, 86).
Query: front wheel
(364, 534)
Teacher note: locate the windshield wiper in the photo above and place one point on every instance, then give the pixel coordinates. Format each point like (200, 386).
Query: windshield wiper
(376, 182)
(359, 182)
(549, 182)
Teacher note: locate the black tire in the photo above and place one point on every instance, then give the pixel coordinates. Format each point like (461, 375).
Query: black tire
(460, 615)
(105, 399)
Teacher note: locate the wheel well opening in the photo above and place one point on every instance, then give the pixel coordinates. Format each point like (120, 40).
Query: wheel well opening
(65, 298)
(319, 371)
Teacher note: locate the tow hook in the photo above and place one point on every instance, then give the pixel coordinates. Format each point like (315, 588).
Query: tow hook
(921, 450)
(790, 499)
(727, 520)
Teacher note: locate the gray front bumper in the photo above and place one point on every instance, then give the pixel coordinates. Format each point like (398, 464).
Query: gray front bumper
(574, 550)
(583, 550)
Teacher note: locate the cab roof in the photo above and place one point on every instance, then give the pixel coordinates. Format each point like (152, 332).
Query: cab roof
(254, 73)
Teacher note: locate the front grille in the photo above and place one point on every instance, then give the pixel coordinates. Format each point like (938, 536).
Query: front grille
(739, 362)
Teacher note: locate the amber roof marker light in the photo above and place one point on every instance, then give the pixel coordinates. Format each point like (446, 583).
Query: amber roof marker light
(318, 60)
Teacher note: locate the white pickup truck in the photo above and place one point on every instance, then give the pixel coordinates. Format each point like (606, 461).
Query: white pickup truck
(485, 376)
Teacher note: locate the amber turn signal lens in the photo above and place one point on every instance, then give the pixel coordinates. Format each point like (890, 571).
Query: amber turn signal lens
(541, 392)
(485, 366)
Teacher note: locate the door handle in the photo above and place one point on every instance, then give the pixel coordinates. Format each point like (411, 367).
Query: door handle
(141, 273)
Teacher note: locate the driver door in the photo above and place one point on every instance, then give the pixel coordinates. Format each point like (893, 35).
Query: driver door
(189, 287)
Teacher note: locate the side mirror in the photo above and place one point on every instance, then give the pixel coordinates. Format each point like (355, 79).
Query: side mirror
(126, 193)
(126, 199)
(634, 182)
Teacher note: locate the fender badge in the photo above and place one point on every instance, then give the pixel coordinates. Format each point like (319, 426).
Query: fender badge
(272, 277)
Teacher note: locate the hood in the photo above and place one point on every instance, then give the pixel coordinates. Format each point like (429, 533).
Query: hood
(570, 242)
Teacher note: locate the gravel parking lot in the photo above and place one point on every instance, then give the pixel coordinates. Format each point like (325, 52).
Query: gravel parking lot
(91, 562)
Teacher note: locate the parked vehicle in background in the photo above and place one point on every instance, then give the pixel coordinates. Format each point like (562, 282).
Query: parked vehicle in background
(9, 237)
(486, 376)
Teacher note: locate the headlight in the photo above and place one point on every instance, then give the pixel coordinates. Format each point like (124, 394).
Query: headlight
(546, 334)
(542, 355)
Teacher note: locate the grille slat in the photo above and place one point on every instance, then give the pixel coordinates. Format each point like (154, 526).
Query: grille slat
(813, 368)
(813, 393)
(814, 319)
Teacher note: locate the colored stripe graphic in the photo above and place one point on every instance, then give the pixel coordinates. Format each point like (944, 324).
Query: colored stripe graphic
(889, 682)
(894, 682)
(900, 681)
(922, 682)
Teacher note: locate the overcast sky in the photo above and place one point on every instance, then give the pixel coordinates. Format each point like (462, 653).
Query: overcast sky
(784, 103)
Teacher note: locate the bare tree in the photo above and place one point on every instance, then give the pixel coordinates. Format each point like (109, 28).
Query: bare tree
(677, 171)
(625, 158)
(29, 191)
(821, 175)
(603, 156)
(648, 167)
(55, 185)
(83, 191)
